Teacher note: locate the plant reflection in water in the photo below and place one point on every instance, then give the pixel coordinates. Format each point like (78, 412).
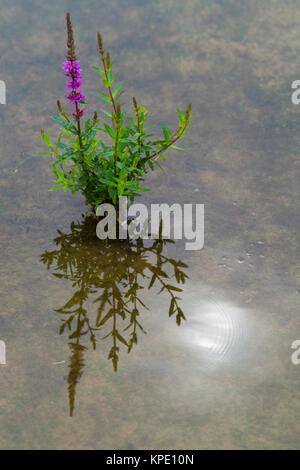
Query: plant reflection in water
(112, 274)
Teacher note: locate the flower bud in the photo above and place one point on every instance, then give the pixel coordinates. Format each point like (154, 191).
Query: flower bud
(70, 42)
(188, 111)
(107, 59)
(95, 118)
(59, 106)
(135, 105)
(100, 44)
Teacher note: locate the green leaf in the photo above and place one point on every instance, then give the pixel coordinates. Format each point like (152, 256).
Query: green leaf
(61, 186)
(110, 183)
(117, 99)
(181, 116)
(47, 139)
(143, 190)
(176, 147)
(110, 131)
(103, 97)
(100, 71)
(166, 131)
(106, 113)
(117, 89)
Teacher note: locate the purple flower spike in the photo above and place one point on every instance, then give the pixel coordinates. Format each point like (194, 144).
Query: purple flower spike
(73, 71)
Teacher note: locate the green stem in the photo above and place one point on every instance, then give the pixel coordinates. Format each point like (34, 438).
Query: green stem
(179, 135)
(78, 126)
(111, 96)
(116, 152)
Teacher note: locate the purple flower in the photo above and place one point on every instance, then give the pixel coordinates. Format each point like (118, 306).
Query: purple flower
(72, 69)
(79, 113)
(73, 72)
(75, 97)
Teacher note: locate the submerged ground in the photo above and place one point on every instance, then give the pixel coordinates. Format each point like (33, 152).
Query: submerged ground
(224, 378)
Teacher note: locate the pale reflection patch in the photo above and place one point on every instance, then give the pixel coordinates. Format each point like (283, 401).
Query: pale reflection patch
(216, 331)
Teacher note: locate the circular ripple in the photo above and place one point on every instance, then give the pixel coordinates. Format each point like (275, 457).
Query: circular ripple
(217, 331)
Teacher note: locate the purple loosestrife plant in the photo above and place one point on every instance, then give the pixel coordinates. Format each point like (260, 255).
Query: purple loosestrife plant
(83, 160)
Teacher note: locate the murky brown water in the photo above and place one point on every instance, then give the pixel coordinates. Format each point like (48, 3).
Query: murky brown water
(224, 377)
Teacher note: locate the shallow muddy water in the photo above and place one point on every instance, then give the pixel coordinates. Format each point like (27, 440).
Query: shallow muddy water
(224, 377)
